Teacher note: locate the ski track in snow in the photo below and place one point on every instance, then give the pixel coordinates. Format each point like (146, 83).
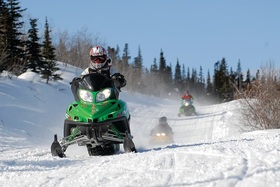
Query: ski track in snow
(192, 164)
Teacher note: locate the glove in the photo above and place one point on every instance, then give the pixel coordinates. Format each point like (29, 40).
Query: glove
(119, 80)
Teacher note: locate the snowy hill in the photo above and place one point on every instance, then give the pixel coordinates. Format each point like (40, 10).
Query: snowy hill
(209, 150)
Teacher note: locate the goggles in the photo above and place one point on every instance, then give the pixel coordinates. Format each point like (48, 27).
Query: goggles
(97, 59)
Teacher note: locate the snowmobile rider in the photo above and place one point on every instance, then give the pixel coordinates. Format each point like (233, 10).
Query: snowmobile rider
(163, 125)
(100, 62)
(187, 96)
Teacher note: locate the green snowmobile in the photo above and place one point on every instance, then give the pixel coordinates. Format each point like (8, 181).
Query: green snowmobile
(187, 108)
(98, 119)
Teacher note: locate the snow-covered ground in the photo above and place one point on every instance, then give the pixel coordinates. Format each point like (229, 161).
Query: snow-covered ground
(209, 150)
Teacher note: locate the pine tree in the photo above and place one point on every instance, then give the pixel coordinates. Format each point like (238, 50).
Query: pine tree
(187, 80)
(162, 63)
(194, 80)
(200, 88)
(164, 73)
(154, 80)
(239, 76)
(201, 78)
(183, 73)
(33, 52)
(4, 14)
(178, 82)
(222, 81)
(154, 68)
(10, 31)
(233, 84)
(126, 68)
(136, 78)
(248, 80)
(138, 65)
(168, 80)
(209, 87)
(49, 65)
(125, 59)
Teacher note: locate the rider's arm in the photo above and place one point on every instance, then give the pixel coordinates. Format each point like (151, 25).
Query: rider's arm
(85, 72)
(119, 80)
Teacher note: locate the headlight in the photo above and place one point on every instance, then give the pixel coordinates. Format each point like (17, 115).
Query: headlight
(187, 102)
(103, 95)
(86, 95)
(160, 134)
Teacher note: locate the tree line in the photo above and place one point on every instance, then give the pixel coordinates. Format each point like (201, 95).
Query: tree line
(21, 52)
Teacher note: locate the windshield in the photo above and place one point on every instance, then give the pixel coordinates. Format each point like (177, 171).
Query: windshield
(96, 82)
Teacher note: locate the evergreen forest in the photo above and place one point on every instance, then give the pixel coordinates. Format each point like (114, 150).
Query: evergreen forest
(22, 51)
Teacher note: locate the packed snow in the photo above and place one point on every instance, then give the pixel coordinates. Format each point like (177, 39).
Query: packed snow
(210, 149)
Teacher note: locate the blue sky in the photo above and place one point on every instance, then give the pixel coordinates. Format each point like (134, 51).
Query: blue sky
(197, 33)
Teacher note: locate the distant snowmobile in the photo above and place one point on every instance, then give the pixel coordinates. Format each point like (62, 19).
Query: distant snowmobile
(187, 108)
(97, 119)
(162, 133)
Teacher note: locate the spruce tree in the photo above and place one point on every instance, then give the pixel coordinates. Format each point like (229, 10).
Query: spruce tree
(168, 80)
(222, 81)
(162, 63)
(154, 67)
(154, 81)
(217, 80)
(136, 78)
(200, 88)
(183, 73)
(11, 46)
(232, 85)
(187, 80)
(201, 78)
(33, 52)
(138, 65)
(194, 80)
(209, 87)
(178, 82)
(164, 73)
(3, 34)
(125, 59)
(49, 66)
(239, 76)
(248, 80)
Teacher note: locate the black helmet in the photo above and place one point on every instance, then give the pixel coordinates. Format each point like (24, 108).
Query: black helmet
(163, 119)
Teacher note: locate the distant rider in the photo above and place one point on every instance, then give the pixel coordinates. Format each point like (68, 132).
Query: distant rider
(187, 96)
(100, 62)
(163, 125)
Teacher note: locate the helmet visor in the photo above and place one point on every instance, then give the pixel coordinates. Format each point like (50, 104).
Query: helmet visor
(97, 59)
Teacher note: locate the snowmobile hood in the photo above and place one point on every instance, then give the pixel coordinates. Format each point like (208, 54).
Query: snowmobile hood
(97, 112)
(95, 82)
